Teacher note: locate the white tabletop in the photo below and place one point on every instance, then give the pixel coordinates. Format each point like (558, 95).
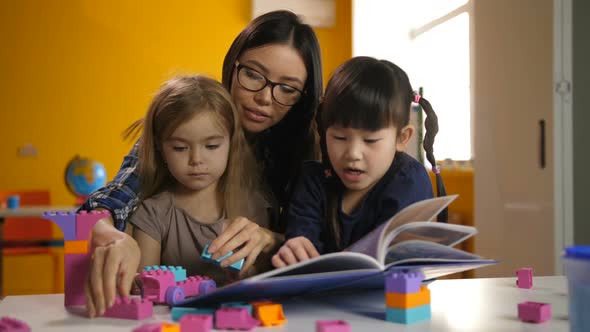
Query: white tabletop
(457, 305)
(33, 211)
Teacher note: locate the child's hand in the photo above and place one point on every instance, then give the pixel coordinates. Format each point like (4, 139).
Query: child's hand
(113, 265)
(246, 239)
(295, 250)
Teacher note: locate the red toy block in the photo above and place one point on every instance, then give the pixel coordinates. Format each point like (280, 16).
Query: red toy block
(8, 324)
(403, 283)
(196, 323)
(86, 220)
(534, 312)
(332, 326)
(234, 318)
(66, 222)
(75, 272)
(130, 308)
(525, 277)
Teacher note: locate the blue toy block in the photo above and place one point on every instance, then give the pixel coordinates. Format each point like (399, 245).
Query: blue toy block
(178, 271)
(403, 283)
(238, 305)
(408, 316)
(66, 222)
(237, 266)
(178, 312)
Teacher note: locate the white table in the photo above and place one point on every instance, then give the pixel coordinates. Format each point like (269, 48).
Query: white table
(457, 305)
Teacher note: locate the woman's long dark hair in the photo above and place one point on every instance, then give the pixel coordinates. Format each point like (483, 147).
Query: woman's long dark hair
(370, 94)
(284, 147)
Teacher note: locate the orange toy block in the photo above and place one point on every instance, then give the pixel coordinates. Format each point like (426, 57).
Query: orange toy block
(407, 301)
(269, 314)
(76, 246)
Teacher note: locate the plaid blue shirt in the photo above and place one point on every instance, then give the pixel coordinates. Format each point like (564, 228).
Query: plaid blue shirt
(121, 195)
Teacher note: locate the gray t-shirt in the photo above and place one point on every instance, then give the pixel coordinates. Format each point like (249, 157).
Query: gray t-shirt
(182, 237)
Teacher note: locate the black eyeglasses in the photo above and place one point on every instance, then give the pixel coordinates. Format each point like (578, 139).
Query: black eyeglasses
(252, 80)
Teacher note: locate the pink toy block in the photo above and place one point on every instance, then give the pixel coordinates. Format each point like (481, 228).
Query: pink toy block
(156, 283)
(332, 326)
(75, 272)
(66, 222)
(196, 323)
(130, 308)
(234, 318)
(525, 277)
(403, 283)
(197, 285)
(8, 324)
(149, 327)
(85, 222)
(534, 312)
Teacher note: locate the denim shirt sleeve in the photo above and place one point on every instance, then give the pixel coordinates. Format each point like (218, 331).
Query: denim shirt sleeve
(121, 195)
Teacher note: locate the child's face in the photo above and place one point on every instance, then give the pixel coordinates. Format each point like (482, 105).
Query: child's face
(360, 157)
(197, 152)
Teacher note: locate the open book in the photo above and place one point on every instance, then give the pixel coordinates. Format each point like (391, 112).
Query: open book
(409, 240)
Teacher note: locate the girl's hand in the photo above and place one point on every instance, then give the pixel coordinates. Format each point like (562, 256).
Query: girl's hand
(113, 264)
(246, 239)
(297, 249)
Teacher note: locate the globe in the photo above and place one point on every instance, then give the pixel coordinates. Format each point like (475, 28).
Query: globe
(83, 176)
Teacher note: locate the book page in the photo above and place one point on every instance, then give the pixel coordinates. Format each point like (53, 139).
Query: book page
(416, 251)
(425, 210)
(443, 233)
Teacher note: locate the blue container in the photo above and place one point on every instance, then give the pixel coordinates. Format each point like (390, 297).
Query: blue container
(577, 271)
(12, 202)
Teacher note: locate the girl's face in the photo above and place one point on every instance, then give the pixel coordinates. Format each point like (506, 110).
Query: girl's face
(361, 157)
(197, 152)
(278, 63)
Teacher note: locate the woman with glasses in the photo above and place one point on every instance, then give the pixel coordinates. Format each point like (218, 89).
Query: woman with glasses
(273, 72)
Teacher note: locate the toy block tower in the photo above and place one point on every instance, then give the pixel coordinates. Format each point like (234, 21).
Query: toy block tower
(76, 228)
(406, 300)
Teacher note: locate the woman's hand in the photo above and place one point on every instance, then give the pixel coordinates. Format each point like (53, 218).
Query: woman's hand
(113, 264)
(297, 249)
(246, 239)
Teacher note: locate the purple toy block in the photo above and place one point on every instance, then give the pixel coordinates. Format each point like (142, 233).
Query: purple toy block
(525, 277)
(75, 272)
(8, 324)
(130, 308)
(149, 327)
(403, 283)
(534, 312)
(86, 220)
(332, 326)
(234, 318)
(196, 323)
(66, 222)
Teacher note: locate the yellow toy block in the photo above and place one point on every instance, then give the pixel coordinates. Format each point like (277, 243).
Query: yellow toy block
(270, 314)
(169, 327)
(76, 247)
(407, 301)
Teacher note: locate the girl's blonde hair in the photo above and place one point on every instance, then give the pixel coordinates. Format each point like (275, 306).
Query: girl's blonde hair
(178, 101)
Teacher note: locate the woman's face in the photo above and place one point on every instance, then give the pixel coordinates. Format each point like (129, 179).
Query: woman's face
(279, 63)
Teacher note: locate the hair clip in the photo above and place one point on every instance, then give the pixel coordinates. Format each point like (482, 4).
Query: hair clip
(417, 97)
(328, 173)
(436, 169)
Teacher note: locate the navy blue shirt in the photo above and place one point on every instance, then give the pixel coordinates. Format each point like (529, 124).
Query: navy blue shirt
(405, 182)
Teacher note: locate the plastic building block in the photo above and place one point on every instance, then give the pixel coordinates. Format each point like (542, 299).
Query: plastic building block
(406, 301)
(408, 316)
(155, 284)
(75, 272)
(270, 314)
(403, 283)
(332, 326)
(238, 305)
(66, 222)
(525, 277)
(237, 266)
(178, 312)
(85, 221)
(196, 323)
(178, 271)
(129, 308)
(234, 318)
(75, 246)
(148, 327)
(197, 285)
(8, 324)
(534, 312)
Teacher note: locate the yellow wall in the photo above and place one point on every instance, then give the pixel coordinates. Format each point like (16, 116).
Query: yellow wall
(75, 74)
